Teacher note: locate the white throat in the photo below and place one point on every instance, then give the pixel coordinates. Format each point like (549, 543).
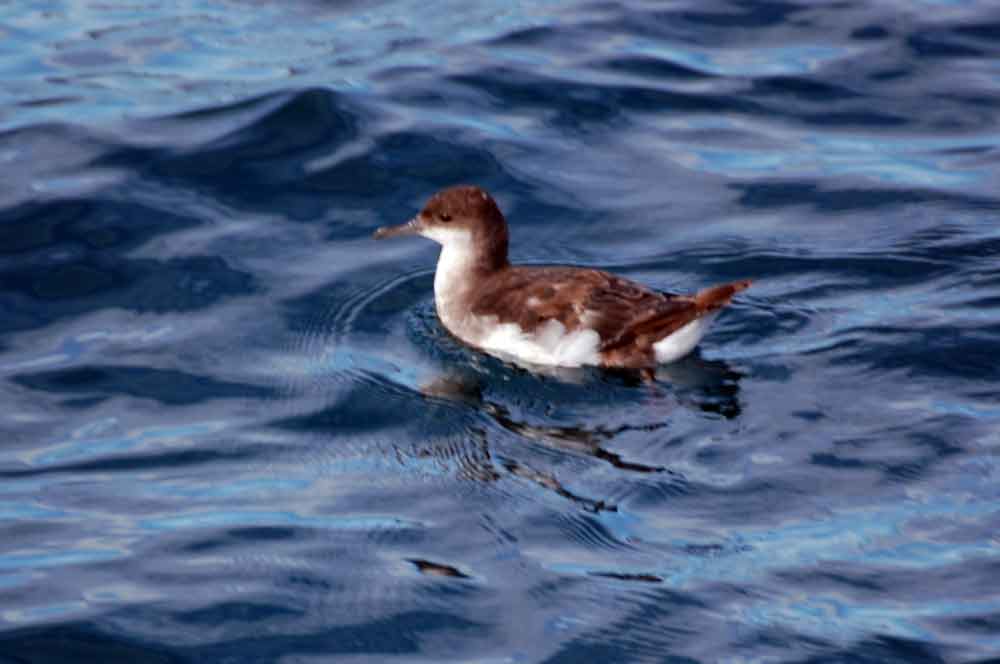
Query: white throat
(454, 270)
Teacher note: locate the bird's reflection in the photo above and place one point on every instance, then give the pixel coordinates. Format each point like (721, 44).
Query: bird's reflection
(466, 387)
(710, 386)
(549, 482)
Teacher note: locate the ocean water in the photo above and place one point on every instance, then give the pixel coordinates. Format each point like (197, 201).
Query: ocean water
(233, 429)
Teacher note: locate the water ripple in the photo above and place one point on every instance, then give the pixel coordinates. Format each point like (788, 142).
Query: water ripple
(234, 428)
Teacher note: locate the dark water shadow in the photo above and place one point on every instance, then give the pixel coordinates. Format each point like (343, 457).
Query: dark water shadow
(396, 634)
(768, 195)
(311, 155)
(166, 386)
(79, 643)
(95, 268)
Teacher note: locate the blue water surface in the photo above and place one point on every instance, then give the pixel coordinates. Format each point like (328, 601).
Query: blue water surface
(233, 429)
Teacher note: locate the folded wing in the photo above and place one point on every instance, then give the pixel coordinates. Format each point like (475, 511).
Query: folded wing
(624, 313)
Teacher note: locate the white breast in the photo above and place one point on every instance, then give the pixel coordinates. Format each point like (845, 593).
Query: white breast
(451, 277)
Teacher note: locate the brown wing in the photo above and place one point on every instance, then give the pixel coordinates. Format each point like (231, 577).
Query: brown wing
(618, 309)
(646, 329)
(624, 313)
(529, 296)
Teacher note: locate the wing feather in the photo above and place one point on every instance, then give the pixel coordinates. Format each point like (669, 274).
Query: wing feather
(622, 312)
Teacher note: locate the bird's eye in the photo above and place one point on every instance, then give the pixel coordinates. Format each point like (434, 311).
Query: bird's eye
(444, 216)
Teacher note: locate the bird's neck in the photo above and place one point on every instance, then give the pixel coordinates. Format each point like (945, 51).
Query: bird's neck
(461, 265)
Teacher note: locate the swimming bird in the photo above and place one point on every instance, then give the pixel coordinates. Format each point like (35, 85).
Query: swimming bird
(549, 315)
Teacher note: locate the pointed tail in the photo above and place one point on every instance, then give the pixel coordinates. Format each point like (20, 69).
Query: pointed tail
(715, 297)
